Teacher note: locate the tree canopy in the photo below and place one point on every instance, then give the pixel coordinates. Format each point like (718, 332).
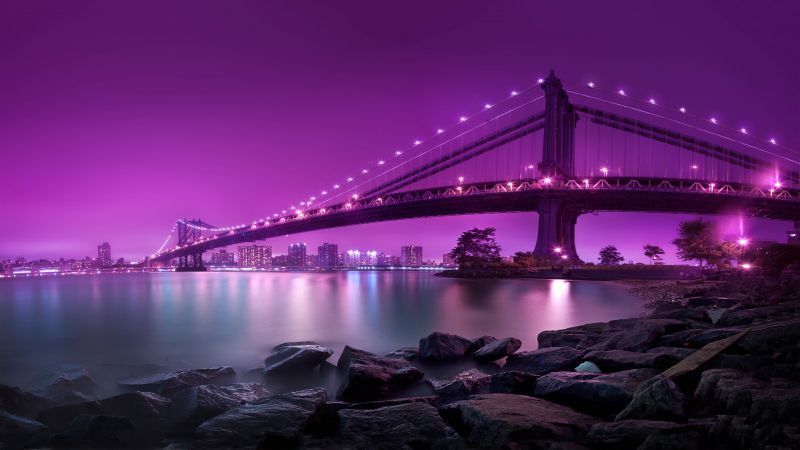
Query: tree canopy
(610, 256)
(697, 239)
(476, 248)
(653, 252)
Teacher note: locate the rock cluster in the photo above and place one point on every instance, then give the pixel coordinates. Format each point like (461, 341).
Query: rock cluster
(601, 385)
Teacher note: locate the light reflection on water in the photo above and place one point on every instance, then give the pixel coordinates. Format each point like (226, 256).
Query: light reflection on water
(207, 319)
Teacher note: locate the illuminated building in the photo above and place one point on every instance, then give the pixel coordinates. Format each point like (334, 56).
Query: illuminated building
(222, 258)
(297, 255)
(258, 256)
(328, 255)
(411, 256)
(104, 254)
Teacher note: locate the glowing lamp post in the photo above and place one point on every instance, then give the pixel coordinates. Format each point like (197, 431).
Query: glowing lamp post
(604, 170)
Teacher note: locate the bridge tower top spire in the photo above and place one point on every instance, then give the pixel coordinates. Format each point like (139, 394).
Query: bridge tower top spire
(558, 149)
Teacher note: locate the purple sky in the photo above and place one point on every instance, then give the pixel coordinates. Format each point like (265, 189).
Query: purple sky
(116, 118)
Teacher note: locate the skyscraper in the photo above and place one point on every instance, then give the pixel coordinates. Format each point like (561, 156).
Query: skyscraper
(104, 254)
(327, 255)
(297, 255)
(411, 256)
(258, 256)
(222, 258)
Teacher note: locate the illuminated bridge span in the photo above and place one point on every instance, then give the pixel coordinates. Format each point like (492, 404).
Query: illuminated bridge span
(542, 153)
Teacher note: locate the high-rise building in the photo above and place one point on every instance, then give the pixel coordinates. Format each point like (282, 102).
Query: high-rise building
(411, 256)
(104, 254)
(327, 255)
(352, 258)
(258, 256)
(222, 258)
(371, 258)
(297, 255)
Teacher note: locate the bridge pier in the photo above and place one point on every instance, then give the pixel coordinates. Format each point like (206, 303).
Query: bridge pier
(556, 234)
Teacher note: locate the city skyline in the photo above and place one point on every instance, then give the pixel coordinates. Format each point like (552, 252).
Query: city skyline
(103, 149)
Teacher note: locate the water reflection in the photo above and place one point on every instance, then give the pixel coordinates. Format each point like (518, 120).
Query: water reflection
(205, 319)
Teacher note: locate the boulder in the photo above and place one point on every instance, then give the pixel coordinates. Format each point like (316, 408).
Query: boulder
(726, 391)
(695, 337)
(146, 410)
(588, 367)
(278, 421)
(627, 433)
(407, 353)
(88, 431)
(656, 399)
(370, 377)
(442, 346)
(598, 394)
(763, 339)
(660, 358)
(17, 431)
(503, 420)
(497, 349)
(411, 425)
(291, 358)
(635, 335)
(169, 383)
(513, 382)
(464, 384)
(16, 401)
(192, 406)
(480, 342)
(67, 384)
(544, 360)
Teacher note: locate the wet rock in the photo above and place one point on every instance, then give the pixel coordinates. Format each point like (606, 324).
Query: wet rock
(513, 382)
(274, 422)
(627, 433)
(442, 346)
(146, 410)
(587, 367)
(413, 425)
(17, 431)
(169, 383)
(544, 360)
(407, 353)
(192, 406)
(599, 394)
(498, 420)
(88, 431)
(656, 399)
(580, 337)
(725, 391)
(370, 377)
(292, 358)
(67, 384)
(464, 384)
(497, 349)
(615, 360)
(480, 342)
(695, 338)
(635, 335)
(16, 401)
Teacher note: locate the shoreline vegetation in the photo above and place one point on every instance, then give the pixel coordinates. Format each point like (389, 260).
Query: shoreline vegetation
(713, 365)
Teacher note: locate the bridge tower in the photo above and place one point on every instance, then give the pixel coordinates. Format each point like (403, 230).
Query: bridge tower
(557, 218)
(190, 231)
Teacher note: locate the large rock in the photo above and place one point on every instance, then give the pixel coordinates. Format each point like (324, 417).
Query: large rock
(67, 384)
(656, 399)
(635, 335)
(291, 358)
(497, 349)
(88, 431)
(192, 406)
(544, 360)
(726, 391)
(499, 420)
(412, 425)
(660, 358)
(599, 394)
(407, 353)
(19, 402)
(370, 377)
(274, 422)
(464, 384)
(763, 339)
(442, 346)
(16, 431)
(169, 383)
(480, 342)
(146, 410)
(695, 338)
(627, 433)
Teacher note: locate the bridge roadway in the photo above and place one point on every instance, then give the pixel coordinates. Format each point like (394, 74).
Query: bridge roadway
(576, 195)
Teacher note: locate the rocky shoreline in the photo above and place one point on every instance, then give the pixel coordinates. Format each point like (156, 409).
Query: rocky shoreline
(712, 366)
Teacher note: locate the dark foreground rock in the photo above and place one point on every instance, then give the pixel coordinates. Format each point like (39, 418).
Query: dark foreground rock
(67, 384)
(16, 401)
(656, 399)
(442, 346)
(88, 431)
(545, 360)
(17, 431)
(627, 433)
(660, 358)
(599, 394)
(278, 421)
(292, 358)
(192, 406)
(497, 349)
(407, 353)
(635, 335)
(498, 420)
(169, 383)
(370, 377)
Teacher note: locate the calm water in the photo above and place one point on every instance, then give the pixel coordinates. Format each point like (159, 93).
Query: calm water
(108, 322)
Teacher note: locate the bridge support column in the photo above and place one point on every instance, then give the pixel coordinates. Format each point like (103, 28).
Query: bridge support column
(557, 221)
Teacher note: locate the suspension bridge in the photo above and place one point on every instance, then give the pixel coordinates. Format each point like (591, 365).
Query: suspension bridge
(550, 149)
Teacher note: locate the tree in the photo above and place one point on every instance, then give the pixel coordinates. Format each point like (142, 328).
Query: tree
(610, 256)
(697, 240)
(653, 252)
(476, 248)
(525, 259)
